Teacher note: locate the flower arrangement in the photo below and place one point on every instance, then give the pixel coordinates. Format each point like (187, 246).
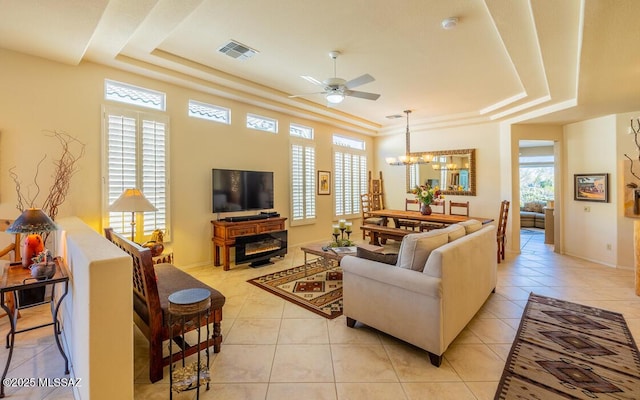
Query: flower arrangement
(426, 194)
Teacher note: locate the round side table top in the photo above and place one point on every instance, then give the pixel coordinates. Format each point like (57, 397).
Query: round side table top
(189, 301)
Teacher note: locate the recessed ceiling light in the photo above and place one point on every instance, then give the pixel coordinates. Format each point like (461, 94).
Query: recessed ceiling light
(449, 23)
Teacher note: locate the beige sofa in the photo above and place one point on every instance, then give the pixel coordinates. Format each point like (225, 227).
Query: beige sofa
(532, 215)
(440, 281)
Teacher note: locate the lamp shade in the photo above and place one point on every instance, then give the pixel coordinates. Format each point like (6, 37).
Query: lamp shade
(32, 220)
(132, 200)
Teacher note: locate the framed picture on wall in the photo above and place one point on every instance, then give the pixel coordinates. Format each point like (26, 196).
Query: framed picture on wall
(324, 182)
(591, 187)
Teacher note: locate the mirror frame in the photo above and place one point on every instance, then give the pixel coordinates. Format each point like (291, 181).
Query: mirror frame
(472, 170)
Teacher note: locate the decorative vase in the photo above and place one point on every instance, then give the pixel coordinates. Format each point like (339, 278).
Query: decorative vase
(43, 270)
(33, 245)
(425, 209)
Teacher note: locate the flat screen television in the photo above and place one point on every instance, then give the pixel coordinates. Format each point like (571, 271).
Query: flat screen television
(238, 190)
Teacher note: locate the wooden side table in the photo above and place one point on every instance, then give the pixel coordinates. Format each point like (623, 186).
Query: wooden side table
(184, 305)
(31, 292)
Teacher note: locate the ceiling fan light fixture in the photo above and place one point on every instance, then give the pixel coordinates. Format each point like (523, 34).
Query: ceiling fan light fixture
(335, 97)
(449, 23)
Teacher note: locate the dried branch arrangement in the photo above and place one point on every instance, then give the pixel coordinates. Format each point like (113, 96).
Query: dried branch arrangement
(65, 167)
(635, 128)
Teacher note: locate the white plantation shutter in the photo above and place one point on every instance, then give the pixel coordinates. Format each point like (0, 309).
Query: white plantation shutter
(136, 147)
(338, 168)
(350, 171)
(303, 181)
(121, 155)
(154, 177)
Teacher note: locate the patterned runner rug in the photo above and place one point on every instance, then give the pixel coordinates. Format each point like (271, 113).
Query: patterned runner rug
(565, 350)
(316, 287)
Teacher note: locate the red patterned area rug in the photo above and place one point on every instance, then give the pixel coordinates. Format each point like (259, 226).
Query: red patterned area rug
(316, 287)
(566, 350)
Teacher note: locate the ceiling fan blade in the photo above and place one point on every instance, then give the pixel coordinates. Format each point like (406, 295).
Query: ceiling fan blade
(361, 80)
(311, 79)
(362, 95)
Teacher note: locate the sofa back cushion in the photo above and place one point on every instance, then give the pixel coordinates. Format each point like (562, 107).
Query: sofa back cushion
(534, 206)
(455, 231)
(471, 225)
(463, 250)
(416, 248)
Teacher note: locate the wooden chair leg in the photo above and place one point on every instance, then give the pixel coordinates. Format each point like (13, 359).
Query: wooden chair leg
(217, 330)
(155, 361)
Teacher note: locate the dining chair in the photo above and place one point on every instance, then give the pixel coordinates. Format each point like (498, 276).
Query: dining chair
(366, 206)
(409, 205)
(458, 206)
(438, 206)
(502, 229)
(13, 247)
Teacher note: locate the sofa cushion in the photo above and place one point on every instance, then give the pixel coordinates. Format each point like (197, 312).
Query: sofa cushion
(455, 231)
(416, 248)
(471, 225)
(391, 259)
(534, 206)
(171, 279)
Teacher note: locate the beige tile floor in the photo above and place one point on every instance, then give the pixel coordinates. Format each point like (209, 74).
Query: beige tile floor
(273, 349)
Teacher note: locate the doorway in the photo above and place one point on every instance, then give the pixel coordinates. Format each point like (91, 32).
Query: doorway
(537, 171)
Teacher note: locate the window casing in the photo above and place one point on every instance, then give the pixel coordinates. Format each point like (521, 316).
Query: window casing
(136, 156)
(209, 112)
(303, 178)
(135, 95)
(262, 123)
(350, 175)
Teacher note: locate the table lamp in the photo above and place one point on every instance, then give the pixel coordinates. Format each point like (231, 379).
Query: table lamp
(32, 222)
(132, 200)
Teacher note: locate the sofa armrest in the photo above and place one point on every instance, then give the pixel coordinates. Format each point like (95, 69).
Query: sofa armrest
(405, 279)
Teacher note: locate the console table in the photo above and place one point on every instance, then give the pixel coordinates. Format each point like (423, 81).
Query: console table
(225, 233)
(31, 292)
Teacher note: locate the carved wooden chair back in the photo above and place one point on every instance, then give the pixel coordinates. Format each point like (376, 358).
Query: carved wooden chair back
(411, 205)
(502, 228)
(438, 206)
(11, 247)
(459, 205)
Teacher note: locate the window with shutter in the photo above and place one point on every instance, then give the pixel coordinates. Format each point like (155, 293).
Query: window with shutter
(350, 171)
(303, 179)
(136, 154)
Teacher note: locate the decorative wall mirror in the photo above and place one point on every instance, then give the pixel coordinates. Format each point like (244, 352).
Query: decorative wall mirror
(453, 171)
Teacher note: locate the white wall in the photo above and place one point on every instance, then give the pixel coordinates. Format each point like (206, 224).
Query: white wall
(97, 314)
(590, 147)
(485, 138)
(625, 145)
(38, 94)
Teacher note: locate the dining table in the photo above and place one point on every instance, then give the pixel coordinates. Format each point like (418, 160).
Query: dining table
(445, 219)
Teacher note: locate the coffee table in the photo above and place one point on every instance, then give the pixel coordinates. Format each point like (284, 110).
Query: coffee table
(325, 255)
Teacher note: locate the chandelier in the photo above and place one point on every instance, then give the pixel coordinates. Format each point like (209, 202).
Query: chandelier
(407, 158)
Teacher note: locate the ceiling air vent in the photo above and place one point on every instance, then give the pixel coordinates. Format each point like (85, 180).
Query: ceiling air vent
(237, 50)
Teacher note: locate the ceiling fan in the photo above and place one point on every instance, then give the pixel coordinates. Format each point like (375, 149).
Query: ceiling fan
(335, 89)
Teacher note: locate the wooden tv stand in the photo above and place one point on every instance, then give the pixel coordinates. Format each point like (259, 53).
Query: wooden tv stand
(225, 233)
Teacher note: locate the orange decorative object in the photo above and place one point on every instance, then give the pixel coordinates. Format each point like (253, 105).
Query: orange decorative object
(156, 247)
(33, 245)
